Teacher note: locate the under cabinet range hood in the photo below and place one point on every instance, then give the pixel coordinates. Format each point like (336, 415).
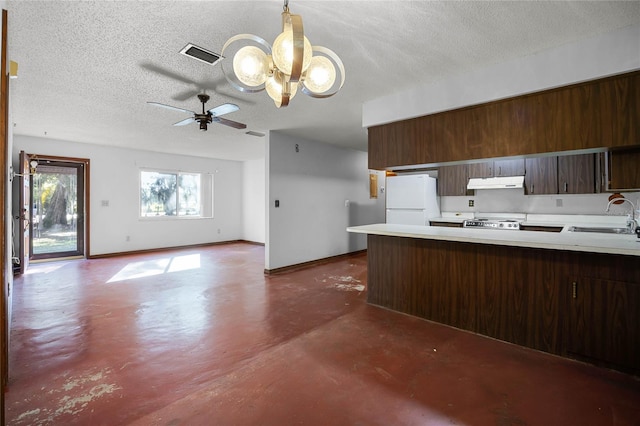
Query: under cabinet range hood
(503, 182)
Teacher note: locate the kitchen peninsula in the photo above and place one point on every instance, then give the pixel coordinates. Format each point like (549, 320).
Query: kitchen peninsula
(572, 294)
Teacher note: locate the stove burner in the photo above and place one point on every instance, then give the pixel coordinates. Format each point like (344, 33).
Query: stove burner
(507, 224)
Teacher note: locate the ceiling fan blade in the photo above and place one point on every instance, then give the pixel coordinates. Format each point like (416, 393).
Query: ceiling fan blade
(185, 121)
(223, 109)
(229, 123)
(171, 107)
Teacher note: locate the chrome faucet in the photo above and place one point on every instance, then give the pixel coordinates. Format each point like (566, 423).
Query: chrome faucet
(631, 219)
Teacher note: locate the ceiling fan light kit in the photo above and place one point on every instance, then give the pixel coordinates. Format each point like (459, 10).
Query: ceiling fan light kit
(292, 63)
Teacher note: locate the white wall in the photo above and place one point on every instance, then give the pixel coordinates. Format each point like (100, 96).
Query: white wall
(253, 200)
(312, 186)
(514, 201)
(114, 174)
(606, 54)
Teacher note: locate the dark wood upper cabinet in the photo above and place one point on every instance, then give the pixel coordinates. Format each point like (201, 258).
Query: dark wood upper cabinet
(452, 180)
(565, 174)
(496, 168)
(480, 170)
(576, 174)
(541, 175)
(598, 114)
(508, 167)
(623, 169)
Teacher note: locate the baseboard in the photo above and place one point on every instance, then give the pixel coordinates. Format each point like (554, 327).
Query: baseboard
(313, 262)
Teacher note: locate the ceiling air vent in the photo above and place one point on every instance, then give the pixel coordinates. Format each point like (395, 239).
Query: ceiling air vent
(252, 133)
(200, 54)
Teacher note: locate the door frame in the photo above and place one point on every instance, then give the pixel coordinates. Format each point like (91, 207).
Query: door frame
(24, 214)
(85, 164)
(5, 218)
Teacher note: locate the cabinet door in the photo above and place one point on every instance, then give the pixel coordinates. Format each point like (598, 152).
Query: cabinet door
(480, 170)
(508, 167)
(623, 169)
(452, 180)
(604, 321)
(541, 175)
(496, 168)
(576, 174)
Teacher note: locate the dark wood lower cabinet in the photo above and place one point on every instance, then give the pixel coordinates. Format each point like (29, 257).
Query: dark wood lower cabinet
(604, 321)
(519, 298)
(516, 294)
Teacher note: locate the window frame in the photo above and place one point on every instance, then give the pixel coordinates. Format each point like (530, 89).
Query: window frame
(206, 182)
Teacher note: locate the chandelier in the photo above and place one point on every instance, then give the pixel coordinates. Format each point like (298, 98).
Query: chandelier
(291, 64)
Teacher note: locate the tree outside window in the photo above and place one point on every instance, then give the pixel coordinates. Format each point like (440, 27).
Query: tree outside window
(169, 194)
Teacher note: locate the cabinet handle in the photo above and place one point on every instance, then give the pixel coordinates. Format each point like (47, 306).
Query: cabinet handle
(500, 171)
(532, 188)
(574, 290)
(565, 187)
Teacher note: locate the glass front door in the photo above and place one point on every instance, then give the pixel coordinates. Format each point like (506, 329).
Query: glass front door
(57, 202)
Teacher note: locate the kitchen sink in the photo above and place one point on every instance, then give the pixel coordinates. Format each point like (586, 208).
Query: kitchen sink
(600, 229)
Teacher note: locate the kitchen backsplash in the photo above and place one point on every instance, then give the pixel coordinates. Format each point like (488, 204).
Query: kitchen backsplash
(514, 201)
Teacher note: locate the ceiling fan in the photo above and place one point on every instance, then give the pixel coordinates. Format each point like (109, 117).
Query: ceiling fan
(206, 117)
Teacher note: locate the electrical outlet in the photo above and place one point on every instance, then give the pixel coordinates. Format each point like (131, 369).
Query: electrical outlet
(470, 203)
(277, 203)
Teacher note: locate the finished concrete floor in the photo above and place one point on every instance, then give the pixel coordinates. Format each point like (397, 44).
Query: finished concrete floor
(203, 337)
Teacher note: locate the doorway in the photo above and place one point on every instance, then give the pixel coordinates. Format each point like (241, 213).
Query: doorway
(54, 225)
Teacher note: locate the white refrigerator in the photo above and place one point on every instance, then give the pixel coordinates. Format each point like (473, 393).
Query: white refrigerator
(411, 199)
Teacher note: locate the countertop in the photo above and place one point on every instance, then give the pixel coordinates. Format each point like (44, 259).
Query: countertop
(573, 241)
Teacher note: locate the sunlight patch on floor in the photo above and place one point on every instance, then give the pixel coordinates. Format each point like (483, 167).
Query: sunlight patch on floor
(150, 268)
(43, 268)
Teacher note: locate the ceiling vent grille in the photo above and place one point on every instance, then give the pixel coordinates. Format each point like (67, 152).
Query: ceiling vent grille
(201, 54)
(252, 133)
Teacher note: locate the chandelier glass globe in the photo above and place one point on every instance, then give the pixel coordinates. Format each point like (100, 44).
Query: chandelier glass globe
(251, 66)
(273, 86)
(320, 76)
(282, 52)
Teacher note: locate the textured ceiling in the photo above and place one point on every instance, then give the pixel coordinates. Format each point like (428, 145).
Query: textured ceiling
(87, 69)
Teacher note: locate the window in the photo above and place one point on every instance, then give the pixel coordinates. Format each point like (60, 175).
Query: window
(175, 194)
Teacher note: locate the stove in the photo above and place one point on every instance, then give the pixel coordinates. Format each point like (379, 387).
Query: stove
(506, 224)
